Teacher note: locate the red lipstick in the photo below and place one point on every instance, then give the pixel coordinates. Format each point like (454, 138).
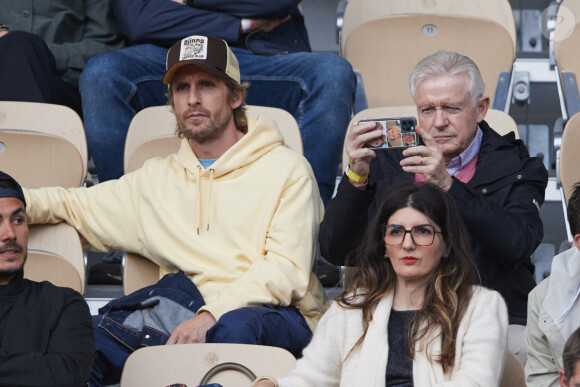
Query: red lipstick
(409, 260)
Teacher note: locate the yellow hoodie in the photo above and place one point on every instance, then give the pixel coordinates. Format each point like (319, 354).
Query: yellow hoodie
(244, 230)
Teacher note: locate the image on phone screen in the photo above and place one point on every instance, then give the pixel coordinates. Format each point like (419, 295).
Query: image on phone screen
(397, 133)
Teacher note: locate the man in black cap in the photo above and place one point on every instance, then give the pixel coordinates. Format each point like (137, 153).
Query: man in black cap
(46, 335)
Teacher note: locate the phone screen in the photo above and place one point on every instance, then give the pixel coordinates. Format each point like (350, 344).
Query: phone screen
(397, 133)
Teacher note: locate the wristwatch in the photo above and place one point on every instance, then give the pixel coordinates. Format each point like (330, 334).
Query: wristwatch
(4, 27)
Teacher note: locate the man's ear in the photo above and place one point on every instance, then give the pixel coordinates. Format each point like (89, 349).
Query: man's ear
(481, 106)
(237, 96)
(562, 378)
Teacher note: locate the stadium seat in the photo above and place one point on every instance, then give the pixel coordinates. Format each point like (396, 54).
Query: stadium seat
(59, 240)
(45, 266)
(152, 133)
(42, 144)
(513, 372)
(384, 40)
(568, 160)
(138, 272)
(566, 40)
(188, 364)
(569, 170)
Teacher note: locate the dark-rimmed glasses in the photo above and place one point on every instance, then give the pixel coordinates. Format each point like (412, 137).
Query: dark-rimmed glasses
(422, 234)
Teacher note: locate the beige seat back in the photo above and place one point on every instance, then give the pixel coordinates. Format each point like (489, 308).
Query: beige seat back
(569, 163)
(138, 272)
(42, 144)
(513, 372)
(152, 133)
(501, 122)
(384, 40)
(188, 363)
(567, 39)
(59, 240)
(44, 266)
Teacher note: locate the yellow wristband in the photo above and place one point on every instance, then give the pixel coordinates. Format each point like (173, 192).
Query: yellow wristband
(266, 378)
(354, 177)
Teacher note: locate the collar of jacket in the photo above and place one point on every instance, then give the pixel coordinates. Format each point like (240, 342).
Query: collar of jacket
(497, 153)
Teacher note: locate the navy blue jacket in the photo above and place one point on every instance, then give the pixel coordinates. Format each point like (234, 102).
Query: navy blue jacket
(167, 303)
(163, 22)
(500, 206)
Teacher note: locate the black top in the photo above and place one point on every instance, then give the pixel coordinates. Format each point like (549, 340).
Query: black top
(47, 335)
(399, 363)
(8, 295)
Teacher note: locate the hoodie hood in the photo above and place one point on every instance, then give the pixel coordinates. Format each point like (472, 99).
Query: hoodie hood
(263, 135)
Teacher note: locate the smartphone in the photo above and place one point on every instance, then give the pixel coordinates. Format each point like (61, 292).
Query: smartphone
(398, 132)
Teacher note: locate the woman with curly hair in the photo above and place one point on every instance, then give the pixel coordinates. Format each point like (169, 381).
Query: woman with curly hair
(414, 314)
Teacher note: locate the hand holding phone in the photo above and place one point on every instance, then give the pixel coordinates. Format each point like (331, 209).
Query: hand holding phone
(398, 132)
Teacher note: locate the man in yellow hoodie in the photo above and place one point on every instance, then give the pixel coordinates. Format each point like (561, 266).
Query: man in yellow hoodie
(233, 216)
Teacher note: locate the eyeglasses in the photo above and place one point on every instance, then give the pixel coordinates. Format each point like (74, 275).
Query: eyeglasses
(422, 235)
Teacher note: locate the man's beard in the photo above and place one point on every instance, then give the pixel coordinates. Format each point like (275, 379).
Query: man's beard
(8, 274)
(205, 133)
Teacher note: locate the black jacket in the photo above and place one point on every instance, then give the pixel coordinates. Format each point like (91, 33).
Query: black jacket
(500, 206)
(47, 335)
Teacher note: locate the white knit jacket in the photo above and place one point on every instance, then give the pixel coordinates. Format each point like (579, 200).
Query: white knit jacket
(479, 358)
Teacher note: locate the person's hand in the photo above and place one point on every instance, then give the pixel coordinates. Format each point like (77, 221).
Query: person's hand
(427, 160)
(2, 33)
(358, 156)
(267, 25)
(192, 330)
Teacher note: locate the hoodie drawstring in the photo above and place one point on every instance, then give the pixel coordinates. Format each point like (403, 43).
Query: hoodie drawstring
(198, 204)
(211, 173)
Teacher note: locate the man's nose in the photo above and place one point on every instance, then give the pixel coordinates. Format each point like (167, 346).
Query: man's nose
(6, 231)
(194, 97)
(440, 118)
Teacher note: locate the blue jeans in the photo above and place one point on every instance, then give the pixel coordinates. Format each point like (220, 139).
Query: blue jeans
(283, 327)
(316, 88)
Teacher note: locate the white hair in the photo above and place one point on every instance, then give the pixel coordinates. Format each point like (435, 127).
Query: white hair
(448, 62)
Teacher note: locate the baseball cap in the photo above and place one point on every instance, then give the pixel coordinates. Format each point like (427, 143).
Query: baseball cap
(211, 54)
(15, 192)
